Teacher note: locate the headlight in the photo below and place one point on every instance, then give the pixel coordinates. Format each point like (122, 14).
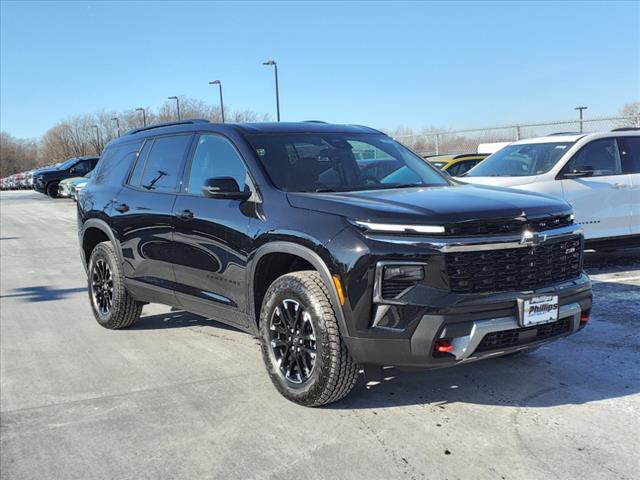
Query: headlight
(400, 228)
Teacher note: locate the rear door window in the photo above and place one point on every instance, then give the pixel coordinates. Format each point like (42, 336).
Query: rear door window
(629, 154)
(163, 164)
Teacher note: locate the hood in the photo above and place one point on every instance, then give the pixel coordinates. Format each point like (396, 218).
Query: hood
(72, 180)
(498, 181)
(431, 205)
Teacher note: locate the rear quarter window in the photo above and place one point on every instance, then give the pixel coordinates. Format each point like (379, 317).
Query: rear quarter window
(114, 163)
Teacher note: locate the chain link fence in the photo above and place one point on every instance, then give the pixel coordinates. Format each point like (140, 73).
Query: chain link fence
(467, 141)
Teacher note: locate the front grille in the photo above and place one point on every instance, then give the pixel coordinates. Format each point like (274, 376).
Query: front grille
(515, 269)
(510, 225)
(392, 288)
(522, 336)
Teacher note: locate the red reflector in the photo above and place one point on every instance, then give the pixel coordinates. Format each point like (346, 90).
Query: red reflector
(584, 318)
(443, 346)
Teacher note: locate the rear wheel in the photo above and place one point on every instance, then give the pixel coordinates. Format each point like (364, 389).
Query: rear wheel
(112, 305)
(52, 189)
(302, 349)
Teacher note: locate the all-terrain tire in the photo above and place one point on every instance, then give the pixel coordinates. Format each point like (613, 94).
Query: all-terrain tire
(124, 310)
(334, 373)
(52, 189)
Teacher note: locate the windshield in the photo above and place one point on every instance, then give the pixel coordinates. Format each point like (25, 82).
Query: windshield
(326, 162)
(66, 164)
(521, 160)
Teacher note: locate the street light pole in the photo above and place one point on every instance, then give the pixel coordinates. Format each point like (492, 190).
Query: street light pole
(580, 109)
(219, 83)
(144, 116)
(117, 124)
(177, 105)
(275, 66)
(97, 137)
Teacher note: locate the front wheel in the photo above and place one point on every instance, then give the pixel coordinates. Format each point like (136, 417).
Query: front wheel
(303, 352)
(52, 190)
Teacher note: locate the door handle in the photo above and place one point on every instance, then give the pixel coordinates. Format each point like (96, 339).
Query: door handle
(619, 185)
(185, 215)
(122, 207)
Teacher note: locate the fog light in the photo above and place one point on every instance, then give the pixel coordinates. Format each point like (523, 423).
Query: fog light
(407, 273)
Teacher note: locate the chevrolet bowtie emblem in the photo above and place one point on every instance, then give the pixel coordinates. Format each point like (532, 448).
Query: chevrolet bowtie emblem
(532, 238)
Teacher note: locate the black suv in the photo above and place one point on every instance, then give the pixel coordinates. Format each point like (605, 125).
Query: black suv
(46, 180)
(275, 229)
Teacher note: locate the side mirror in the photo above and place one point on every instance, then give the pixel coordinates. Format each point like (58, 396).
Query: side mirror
(224, 187)
(582, 172)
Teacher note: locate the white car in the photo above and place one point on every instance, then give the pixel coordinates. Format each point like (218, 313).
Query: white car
(598, 174)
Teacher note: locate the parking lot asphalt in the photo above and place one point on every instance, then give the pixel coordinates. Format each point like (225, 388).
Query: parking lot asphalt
(179, 396)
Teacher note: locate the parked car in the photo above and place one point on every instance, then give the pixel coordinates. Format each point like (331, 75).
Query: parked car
(456, 164)
(330, 268)
(66, 186)
(598, 174)
(47, 180)
(76, 187)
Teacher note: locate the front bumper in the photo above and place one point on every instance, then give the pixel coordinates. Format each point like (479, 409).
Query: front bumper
(64, 190)
(470, 326)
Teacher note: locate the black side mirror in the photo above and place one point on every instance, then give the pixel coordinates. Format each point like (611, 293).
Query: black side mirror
(585, 171)
(224, 187)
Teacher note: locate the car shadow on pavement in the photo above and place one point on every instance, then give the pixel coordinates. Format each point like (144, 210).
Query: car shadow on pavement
(43, 293)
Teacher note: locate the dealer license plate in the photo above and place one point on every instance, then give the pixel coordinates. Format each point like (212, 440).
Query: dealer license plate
(543, 309)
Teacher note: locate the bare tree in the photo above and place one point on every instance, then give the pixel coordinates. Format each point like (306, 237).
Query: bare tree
(632, 113)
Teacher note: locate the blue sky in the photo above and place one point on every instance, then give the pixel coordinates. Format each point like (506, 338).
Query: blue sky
(450, 65)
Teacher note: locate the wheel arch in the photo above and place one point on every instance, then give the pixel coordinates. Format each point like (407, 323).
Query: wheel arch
(95, 231)
(303, 253)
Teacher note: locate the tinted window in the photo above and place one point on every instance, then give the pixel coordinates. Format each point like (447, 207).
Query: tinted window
(134, 179)
(335, 161)
(630, 154)
(114, 163)
(466, 166)
(601, 156)
(214, 157)
(162, 167)
(521, 160)
(82, 167)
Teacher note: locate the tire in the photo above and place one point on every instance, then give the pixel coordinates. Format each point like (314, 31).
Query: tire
(332, 373)
(115, 310)
(52, 189)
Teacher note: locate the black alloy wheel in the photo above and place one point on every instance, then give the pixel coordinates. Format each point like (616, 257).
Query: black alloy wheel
(102, 287)
(293, 341)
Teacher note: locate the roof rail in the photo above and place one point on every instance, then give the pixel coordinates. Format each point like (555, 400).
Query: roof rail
(168, 124)
(314, 121)
(626, 129)
(565, 133)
